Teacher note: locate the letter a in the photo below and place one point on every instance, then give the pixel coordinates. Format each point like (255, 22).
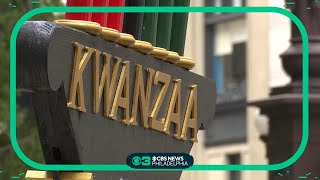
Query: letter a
(190, 117)
(173, 114)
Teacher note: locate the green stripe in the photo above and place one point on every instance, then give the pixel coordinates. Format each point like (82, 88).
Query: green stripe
(164, 25)
(150, 21)
(179, 28)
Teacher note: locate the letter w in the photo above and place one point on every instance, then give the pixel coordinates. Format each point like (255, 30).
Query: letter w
(105, 82)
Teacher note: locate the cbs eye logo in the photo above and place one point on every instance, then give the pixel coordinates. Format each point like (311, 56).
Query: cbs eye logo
(144, 161)
(136, 161)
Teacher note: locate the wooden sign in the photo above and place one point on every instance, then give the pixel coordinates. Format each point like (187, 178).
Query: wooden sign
(97, 102)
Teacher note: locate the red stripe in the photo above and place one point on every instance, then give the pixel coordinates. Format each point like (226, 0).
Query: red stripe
(115, 20)
(79, 16)
(100, 18)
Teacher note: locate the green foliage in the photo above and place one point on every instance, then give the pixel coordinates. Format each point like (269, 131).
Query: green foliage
(10, 164)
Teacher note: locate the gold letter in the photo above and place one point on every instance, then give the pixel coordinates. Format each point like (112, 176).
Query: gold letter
(104, 84)
(190, 118)
(76, 86)
(173, 114)
(122, 89)
(142, 96)
(165, 79)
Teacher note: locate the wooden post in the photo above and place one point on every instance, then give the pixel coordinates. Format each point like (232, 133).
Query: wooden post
(164, 26)
(100, 18)
(132, 23)
(150, 21)
(115, 20)
(179, 28)
(79, 16)
(44, 175)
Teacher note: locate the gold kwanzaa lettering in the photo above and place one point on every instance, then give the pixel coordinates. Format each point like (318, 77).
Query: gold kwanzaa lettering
(190, 118)
(141, 95)
(121, 98)
(115, 94)
(105, 82)
(173, 114)
(76, 87)
(165, 80)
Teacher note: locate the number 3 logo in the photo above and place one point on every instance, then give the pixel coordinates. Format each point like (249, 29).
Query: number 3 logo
(146, 160)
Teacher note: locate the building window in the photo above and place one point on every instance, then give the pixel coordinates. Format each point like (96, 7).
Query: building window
(229, 2)
(229, 74)
(234, 159)
(226, 42)
(225, 2)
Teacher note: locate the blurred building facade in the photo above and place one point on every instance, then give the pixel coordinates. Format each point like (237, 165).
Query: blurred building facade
(240, 51)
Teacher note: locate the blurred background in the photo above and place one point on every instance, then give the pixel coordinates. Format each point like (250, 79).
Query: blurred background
(239, 51)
